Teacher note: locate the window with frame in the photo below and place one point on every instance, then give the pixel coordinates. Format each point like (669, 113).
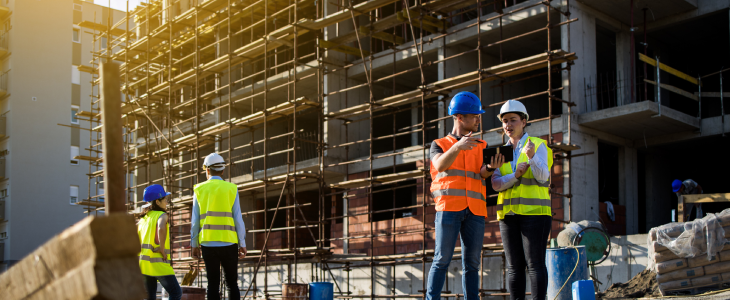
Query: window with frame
(74, 194)
(78, 7)
(74, 111)
(6, 25)
(76, 35)
(103, 42)
(4, 193)
(74, 153)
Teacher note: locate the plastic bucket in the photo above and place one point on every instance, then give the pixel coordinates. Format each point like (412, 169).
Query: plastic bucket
(560, 263)
(321, 291)
(583, 290)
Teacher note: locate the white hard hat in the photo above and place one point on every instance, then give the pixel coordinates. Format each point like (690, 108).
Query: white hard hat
(214, 162)
(513, 106)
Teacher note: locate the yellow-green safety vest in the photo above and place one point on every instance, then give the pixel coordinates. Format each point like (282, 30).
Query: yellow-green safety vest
(150, 261)
(215, 200)
(527, 196)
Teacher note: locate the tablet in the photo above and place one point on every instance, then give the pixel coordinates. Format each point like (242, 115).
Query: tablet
(492, 151)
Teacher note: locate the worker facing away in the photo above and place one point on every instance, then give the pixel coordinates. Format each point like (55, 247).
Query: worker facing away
(523, 205)
(154, 259)
(689, 187)
(459, 190)
(217, 228)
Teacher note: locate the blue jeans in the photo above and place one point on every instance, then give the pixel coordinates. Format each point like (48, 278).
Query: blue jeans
(449, 224)
(168, 282)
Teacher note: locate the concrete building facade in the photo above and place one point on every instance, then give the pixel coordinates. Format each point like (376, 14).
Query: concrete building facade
(43, 90)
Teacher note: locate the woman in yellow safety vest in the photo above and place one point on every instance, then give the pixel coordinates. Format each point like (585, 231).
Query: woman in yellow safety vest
(154, 259)
(523, 205)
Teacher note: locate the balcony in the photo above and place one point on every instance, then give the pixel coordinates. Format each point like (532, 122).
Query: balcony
(4, 11)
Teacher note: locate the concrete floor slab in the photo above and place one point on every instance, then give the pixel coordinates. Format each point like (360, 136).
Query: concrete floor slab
(637, 120)
(619, 9)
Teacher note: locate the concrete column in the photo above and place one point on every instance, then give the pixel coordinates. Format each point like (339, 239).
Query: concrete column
(628, 187)
(623, 67)
(584, 170)
(583, 43)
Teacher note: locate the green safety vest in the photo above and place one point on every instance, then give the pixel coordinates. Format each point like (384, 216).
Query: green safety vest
(150, 261)
(215, 200)
(527, 196)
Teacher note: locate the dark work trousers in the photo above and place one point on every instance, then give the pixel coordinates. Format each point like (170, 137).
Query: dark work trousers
(214, 258)
(525, 243)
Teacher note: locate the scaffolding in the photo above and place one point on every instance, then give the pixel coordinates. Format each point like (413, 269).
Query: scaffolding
(250, 80)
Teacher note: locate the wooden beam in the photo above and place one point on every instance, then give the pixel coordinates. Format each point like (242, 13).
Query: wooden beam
(344, 49)
(668, 69)
(706, 198)
(94, 259)
(674, 89)
(713, 94)
(112, 139)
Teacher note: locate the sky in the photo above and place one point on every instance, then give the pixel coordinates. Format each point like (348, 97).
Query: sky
(120, 4)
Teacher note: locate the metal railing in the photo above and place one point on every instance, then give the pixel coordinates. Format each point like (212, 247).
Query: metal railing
(606, 90)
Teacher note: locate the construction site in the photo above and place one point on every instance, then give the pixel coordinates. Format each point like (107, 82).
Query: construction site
(325, 112)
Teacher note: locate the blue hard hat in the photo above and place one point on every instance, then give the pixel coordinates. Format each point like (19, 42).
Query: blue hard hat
(676, 185)
(465, 103)
(154, 192)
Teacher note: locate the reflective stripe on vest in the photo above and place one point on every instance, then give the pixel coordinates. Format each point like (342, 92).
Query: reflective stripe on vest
(150, 261)
(460, 186)
(527, 196)
(215, 199)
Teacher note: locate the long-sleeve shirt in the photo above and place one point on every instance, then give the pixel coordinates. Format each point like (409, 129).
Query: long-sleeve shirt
(237, 220)
(538, 164)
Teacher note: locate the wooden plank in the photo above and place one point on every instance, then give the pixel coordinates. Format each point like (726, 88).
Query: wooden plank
(112, 139)
(712, 94)
(100, 27)
(706, 198)
(668, 69)
(94, 259)
(674, 89)
(376, 179)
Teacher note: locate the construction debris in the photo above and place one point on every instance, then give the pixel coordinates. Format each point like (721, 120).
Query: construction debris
(643, 284)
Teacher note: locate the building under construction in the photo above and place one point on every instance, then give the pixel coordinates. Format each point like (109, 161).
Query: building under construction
(325, 111)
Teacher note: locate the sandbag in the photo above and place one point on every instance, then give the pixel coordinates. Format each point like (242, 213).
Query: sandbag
(717, 268)
(664, 256)
(702, 260)
(680, 274)
(675, 285)
(668, 266)
(657, 247)
(706, 280)
(724, 256)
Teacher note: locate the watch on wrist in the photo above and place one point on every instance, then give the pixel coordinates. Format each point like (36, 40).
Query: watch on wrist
(490, 169)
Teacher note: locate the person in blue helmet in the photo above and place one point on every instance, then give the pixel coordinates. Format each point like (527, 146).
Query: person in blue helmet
(689, 187)
(154, 236)
(459, 192)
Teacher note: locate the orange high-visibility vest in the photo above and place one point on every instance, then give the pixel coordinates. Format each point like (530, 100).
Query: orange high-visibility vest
(460, 185)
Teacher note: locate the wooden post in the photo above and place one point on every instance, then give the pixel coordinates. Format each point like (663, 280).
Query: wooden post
(680, 209)
(112, 142)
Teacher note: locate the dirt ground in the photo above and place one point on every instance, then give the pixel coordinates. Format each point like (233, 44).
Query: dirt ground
(643, 284)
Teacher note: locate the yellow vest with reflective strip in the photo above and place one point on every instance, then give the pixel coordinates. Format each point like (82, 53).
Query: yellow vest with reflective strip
(150, 261)
(527, 196)
(216, 199)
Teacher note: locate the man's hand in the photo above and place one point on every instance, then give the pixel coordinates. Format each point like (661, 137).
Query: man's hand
(161, 251)
(466, 142)
(530, 149)
(196, 252)
(496, 161)
(521, 169)
(242, 252)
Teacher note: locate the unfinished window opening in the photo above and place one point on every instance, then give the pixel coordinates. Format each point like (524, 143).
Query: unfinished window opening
(605, 82)
(75, 75)
(393, 196)
(608, 177)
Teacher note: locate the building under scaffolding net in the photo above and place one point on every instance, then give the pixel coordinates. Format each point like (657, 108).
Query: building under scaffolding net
(325, 111)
